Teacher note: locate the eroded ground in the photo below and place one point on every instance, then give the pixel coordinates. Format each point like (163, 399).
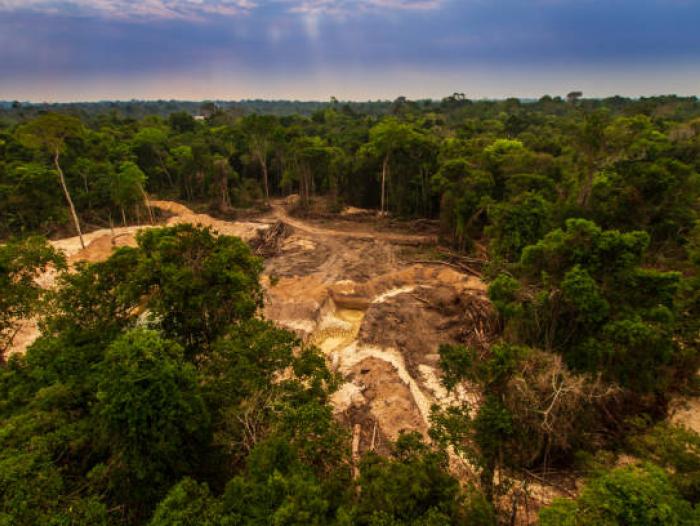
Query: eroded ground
(378, 318)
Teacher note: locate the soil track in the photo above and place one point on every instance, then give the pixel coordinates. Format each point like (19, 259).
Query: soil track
(280, 213)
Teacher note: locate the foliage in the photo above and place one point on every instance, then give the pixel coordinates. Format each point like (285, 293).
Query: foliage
(640, 495)
(127, 185)
(676, 449)
(20, 264)
(50, 132)
(187, 504)
(413, 488)
(569, 282)
(150, 414)
(198, 283)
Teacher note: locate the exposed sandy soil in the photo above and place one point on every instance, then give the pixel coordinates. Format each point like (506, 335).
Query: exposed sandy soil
(378, 319)
(99, 245)
(686, 411)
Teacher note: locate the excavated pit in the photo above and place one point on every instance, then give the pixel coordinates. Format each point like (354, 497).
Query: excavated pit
(378, 320)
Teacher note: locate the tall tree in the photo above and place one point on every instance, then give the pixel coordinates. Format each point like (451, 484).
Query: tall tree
(385, 139)
(153, 142)
(260, 131)
(224, 172)
(50, 132)
(127, 187)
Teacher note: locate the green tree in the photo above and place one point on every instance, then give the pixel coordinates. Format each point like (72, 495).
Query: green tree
(312, 161)
(569, 282)
(150, 414)
(260, 132)
(676, 449)
(197, 283)
(127, 188)
(27, 200)
(517, 223)
(21, 262)
(385, 140)
(414, 487)
(50, 132)
(188, 504)
(640, 495)
(224, 174)
(487, 436)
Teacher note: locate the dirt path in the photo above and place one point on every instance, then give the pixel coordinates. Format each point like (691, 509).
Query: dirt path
(280, 213)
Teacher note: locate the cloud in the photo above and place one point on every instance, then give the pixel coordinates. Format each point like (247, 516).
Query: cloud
(132, 9)
(201, 9)
(346, 7)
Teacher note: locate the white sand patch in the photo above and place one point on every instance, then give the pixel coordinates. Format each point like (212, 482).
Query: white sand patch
(349, 395)
(354, 354)
(393, 292)
(305, 327)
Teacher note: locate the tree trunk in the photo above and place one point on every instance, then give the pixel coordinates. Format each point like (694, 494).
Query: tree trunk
(355, 450)
(263, 165)
(87, 190)
(334, 191)
(487, 480)
(148, 204)
(385, 170)
(62, 180)
(123, 216)
(586, 188)
(304, 187)
(225, 198)
(591, 168)
(161, 161)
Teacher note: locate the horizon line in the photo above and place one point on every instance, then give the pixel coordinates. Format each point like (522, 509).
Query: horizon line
(340, 101)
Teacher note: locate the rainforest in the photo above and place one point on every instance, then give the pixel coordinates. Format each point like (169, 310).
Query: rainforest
(388, 313)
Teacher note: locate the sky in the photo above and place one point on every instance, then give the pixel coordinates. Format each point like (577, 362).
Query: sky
(82, 50)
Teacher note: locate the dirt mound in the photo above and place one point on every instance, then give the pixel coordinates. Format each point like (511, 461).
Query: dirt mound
(182, 215)
(362, 293)
(102, 247)
(390, 402)
(101, 243)
(411, 323)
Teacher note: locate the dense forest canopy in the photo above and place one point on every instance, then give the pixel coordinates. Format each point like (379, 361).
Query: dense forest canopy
(157, 394)
(624, 163)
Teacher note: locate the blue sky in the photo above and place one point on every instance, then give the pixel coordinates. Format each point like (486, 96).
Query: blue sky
(352, 49)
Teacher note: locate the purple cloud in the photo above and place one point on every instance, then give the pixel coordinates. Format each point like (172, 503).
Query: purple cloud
(132, 9)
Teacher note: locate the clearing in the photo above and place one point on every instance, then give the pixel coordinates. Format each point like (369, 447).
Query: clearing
(356, 293)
